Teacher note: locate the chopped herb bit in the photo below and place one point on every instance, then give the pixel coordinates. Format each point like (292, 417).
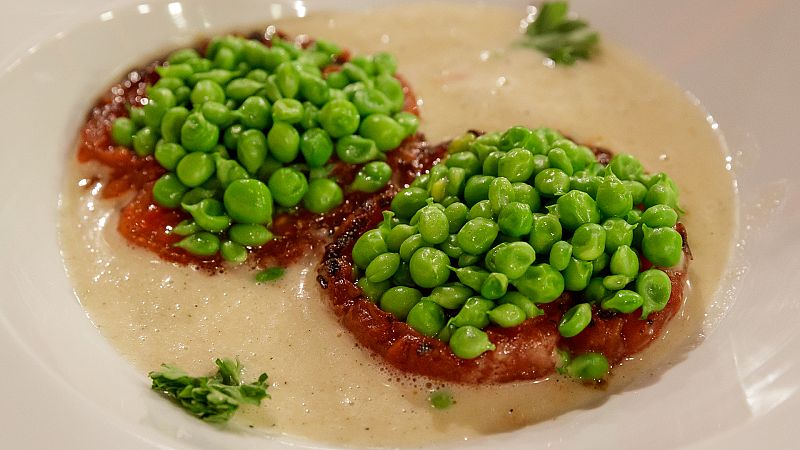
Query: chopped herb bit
(440, 399)
(213, 399)
(271, 274)
(562, 39)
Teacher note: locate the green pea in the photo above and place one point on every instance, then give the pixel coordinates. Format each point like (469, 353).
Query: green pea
(456, 214)
(660, 216)
(183, 55)
(524, 303)
(613, 197)
(513, 137)
(371, 101)
(662, 246)
(618, 233)
(577, 275)
(589, 366)
(228, 171)
(200, 244)
(169, 154)
(450, 296)
(456, 179)
(477, 189)
(168, 191)
(339, 118)
(585, 183)
(207, 91)
(595, 291)
(433, 224)
(233, 252)
(661, 193)
(560, 255)
(501, 193)
(477, 235)
(421, 181)
(393, 90)
(638, 191)
(195, 169)
(515, 219)
(411, 245)
(372, 177)
(399, 300)
(230, 138)
(249, 234)
(172, 123)
(616, 282)
(288, 186)
(634, 217)
(623, 301)
(474, 313)
(512, 259)
(385, 63)
(472, 276)
(208, 214)
(481, 209)
(588, 242)
(541, 283)
(248, 201)
(198, 134)
(197, 194)
(429, 267)
(373, 291)
(287, 110)
(426, 317)
(558, 159)
(516, 165)
(625, 166)
(252, 149)
(255, 112)
(284, 142)
(310, 114)
(314, 89)
(184, 228)
(408, 201)
(625, 261)
(287, 77)
(337, 80)
(577, 208)
(655, 287)
(545, 232)
(368, 247)
(465, 160)
(241, 88)
(495, 286)
(398, 234)
(316, 146)
(122, 130)
(382, 267)
(491, 163)
(525, 193)
(552, 182)
(144, 141)
(507, 315)
(409, 122)
(468, 342)
(575, 320)
(355, 149)
(322, 196)
(450, 247)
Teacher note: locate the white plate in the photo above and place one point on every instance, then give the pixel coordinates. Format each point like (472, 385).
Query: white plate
(64, 386)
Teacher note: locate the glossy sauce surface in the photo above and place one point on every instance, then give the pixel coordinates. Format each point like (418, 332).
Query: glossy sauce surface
(155, 311)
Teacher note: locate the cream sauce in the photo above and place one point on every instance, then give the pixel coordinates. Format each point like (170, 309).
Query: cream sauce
(326, 388)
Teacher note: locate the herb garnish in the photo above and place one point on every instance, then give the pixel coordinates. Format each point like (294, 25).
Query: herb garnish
(213, 399)
(562, 39)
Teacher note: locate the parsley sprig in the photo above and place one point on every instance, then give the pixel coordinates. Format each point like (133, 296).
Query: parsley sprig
(562, 39)
(213, 399)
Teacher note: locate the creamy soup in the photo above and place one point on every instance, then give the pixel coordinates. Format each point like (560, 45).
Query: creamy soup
(468, 74)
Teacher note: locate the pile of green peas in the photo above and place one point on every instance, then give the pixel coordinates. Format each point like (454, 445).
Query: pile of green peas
(246, 125)
(511, 220)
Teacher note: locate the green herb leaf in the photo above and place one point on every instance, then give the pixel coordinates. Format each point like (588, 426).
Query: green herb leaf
(214, 399)
(562, 39)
